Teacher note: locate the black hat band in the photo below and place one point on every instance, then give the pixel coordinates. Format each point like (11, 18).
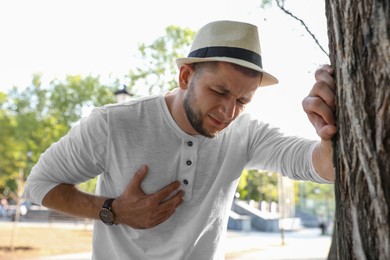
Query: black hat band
(231, 52)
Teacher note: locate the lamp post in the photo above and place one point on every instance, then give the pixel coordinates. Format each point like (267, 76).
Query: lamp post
(18, 197)
(282, 206)
(122, 95)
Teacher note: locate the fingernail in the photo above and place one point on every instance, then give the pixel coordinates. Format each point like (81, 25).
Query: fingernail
(142, 169)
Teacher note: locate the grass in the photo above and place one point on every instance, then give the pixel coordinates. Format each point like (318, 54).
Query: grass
(33, 242)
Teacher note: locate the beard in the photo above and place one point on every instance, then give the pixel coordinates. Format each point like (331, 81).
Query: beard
(194, 115)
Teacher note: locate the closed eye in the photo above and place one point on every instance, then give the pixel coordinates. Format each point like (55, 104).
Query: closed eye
(242, 102)
(221, 93)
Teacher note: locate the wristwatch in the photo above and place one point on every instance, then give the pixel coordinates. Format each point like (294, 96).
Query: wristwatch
(106, 214)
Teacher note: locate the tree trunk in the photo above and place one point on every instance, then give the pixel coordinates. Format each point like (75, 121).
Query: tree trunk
(359, 43)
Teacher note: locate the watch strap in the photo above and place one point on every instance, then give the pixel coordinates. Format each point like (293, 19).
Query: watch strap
(108, 203)
(107, 218)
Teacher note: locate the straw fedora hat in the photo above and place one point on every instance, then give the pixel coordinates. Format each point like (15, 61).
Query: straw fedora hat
(229, 41)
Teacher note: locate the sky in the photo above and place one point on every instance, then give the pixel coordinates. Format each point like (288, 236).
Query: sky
(94, 37)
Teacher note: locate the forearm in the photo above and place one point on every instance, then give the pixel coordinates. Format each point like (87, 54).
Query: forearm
(323, 160)
(68, 199)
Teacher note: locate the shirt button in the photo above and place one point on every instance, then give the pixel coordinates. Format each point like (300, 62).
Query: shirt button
(190, 143)
(189, 162)
(185, 182)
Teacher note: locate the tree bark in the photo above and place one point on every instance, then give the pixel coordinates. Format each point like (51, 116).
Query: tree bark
(359, 43)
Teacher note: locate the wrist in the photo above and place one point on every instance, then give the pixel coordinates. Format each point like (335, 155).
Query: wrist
(106, 214)
(323, 160)
(114, 209)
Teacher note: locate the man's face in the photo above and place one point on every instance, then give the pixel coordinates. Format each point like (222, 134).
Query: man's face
(215, 98)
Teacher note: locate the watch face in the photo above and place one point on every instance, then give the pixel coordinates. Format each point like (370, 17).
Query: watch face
(106, 216)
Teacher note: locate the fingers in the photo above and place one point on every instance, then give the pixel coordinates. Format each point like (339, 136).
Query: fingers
(323, 91)
(173, 202)
(156, 219)
(134, 186)
(319, 105)
(167, 208)
(162, 194)
(324, 130)
(139, 210)
(166, 204)
(314, 105)
(325, 73)
(160, 212)
(139, 176)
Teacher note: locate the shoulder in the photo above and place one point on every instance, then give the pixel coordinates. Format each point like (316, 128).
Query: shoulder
(133, 107)
(246, 122)
(253, 129)
(143, 101)
(131, 114)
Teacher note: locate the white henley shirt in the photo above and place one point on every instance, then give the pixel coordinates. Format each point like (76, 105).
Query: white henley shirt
(116, 140)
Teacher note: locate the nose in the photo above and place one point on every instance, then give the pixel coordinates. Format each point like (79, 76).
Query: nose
(228, 109)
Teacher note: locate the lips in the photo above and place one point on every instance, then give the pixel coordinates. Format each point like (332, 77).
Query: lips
(219, 124)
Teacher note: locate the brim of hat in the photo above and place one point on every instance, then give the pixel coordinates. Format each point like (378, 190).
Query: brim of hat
(267, 79)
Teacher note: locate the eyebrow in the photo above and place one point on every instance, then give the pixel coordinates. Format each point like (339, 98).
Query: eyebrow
(226, 91)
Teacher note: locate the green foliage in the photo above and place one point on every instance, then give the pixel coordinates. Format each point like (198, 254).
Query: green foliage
(314, 198)
(157, 69)
(71, 95)
(89, 186)
(310, 197)
(33, 118)
(258, 186)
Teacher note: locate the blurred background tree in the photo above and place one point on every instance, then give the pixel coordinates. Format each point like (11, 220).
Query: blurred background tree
(34, 117)
(315, 199)
(258, 186)
(310, 198)
(156, 69)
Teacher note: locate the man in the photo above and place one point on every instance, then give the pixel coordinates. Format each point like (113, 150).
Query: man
(169, 165)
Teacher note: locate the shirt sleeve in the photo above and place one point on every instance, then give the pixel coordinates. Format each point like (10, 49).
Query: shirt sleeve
(77, 157)
(290, 156)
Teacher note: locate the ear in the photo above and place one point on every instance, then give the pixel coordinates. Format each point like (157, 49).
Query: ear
(185, 74)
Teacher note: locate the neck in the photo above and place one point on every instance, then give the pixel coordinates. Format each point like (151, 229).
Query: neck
(174, 101)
